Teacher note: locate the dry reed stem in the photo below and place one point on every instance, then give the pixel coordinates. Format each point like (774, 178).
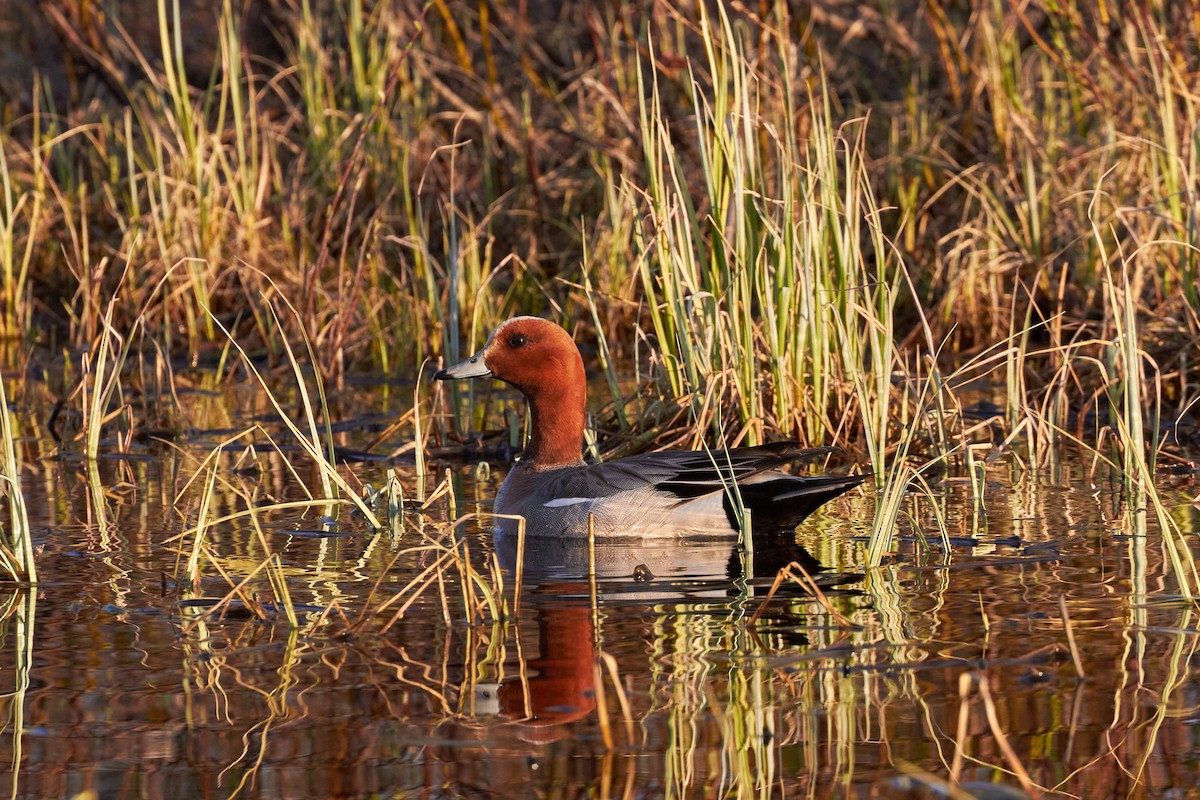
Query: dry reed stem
(1010, 755)
(602, 706)
(1069, 629)
(236, 589)
(614, 675)
(805, 581)
(964, 721)
(936, 785)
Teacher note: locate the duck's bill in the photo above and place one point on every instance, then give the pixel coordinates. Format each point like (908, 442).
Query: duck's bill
(473, 367)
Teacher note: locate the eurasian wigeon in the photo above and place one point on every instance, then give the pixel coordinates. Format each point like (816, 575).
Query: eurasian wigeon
(671, 493)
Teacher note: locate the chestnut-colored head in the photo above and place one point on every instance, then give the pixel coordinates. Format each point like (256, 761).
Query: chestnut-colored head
(541, 360)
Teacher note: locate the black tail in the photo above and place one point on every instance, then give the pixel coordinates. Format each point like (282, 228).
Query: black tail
(782, 503)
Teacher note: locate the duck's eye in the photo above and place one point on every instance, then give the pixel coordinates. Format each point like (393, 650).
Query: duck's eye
(517, 340)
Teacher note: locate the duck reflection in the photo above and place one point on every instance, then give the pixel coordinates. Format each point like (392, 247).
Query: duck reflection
(658, 564)
(557, 685)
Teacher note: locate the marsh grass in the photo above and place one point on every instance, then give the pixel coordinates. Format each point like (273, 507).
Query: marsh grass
(782, 253)
(448, 556)
(315, 439)
(18, 561)
(1138, 438)
(768, 283)
(203, 562)
(481, 593)
(14, 262)
(101, 383)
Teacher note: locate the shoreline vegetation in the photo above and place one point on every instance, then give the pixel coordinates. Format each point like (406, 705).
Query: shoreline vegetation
(927, 233)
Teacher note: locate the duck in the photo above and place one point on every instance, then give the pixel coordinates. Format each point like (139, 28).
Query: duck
(671, 493)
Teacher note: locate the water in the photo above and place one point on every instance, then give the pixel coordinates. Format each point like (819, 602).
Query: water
(670, 675)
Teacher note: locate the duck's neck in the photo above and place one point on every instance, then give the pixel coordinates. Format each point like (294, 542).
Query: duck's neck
(557, 419)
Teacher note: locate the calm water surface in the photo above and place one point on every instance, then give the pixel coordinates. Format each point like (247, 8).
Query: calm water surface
(657, 679)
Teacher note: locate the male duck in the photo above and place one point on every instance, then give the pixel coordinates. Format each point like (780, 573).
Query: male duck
(670, 493)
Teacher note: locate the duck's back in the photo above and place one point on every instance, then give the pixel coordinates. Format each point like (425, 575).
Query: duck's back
(672, 493)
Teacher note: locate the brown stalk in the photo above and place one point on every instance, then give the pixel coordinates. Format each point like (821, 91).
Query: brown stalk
(1070, 631)
(1010, 755)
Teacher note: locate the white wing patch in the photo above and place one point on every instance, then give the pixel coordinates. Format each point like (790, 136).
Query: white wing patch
(560, 502)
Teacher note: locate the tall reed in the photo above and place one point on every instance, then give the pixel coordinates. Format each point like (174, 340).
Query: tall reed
(17, 559)
(769, 282)
(1139, 438)
(16, 256)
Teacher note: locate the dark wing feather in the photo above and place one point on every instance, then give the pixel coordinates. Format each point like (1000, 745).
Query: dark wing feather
(688, 474)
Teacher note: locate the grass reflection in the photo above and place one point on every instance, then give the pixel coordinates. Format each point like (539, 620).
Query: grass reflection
(18, 614)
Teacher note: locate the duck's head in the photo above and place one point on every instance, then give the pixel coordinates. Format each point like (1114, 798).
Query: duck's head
(530, 353)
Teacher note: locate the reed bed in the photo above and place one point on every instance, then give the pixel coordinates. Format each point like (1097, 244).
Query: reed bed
(423, 151)
(777, 244)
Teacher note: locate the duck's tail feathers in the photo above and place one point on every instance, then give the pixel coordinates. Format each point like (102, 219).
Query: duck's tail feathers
(782, 503)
